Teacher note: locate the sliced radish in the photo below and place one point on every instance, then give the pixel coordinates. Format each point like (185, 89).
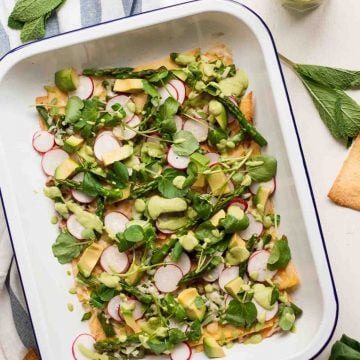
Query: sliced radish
(113, 307)
(239, 202)
(173, 324)
(139, 309)
(123, 100)
(180, 89)
(167, 277)
(177, 161)
(167, 91)
(181, 351)
(214, 274)
(125, 132)
(178, 122)
(228, 298)
(257, 266)
(199, 128)
(231, 117)
(255, 227)
(78, 195)
(227, 275)
(52, 159)
(86, 340)
(113, 261)
(213, 157)
(104, 144)
(115, 222)
(184, 262)
(271, 184)
(269, 314)
(43, 141)
(74, 227)
(85, 88)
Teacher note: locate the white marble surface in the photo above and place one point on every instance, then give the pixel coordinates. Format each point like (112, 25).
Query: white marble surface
(328, 36)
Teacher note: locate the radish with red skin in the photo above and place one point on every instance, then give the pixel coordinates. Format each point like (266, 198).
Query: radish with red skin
(138, 311)
(85, 88)
(52, 159)
(184, 262)
(227, 275)
(213, 157)
(162, 276)
(179, 88)
(181, 351)
(257, 265)
(177, 161)
(271, 184)
(178, 122)
(125, 132)
(239, 202)
(255, 227)
(123, 100)
(199, 128)
(43, 141)
(167, 91)
(269, 314)
(231, 117)
(113, 307)
(86, 340)
(78, 195)
(74, 227)
(214, 274)
(115, 222)
(113, 261)
(104, 144)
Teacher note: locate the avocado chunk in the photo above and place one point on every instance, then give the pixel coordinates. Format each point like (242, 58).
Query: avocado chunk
(215, 219)
(126, 311)
(262, 295)
(192, 303)
(212, 348)
(217, 109)
(65, 169)
(188, 241)
(236, 241)
(180, 74)
(89, 259)
(67, 79)
(158, 205)
(201, 162)
(73, 143)
(128, 85)
(118, 154)
(236, 255)
(234, 86)
(87, 154)
(135, 275)
(261, 198)
(171, 223)
(218, 182)
(111, 281)
(234, 286)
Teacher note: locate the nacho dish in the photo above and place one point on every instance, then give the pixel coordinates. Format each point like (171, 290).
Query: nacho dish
(164, 204)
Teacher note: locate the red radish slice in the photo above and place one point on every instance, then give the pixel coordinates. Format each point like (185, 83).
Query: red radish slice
(113, 261)
(173, 324)
(104, 144)
(43, 141)
(181, 351)
(269, 314)
(85, 88)
(255, 227)
(214, 274)
(213, 157)
(184, 262)
(167, 91)
(115, 222)
(123, 100)
(199, 128)
(257, 266)
(228, 298)
(114, 306)
(139, 309)
(86, 340)
(231, 117)
(78, 195)
(167, 277)
(271, 184)
(126, 133)
(177, 161)
(227, 275)
(179, 122)
(180, 89)
(74, 227)
(239, 202)
(52, 159)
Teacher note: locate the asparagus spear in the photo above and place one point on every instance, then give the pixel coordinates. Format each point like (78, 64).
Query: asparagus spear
(144, 298)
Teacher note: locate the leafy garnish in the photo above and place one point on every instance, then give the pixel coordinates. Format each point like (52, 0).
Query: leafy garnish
(265, 171)
(66, 248)
(185, 143)
(241, 314)
(280, 254)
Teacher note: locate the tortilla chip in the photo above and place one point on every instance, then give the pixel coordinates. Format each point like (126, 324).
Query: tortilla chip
(31, 355)
(220, 51)
(246, 106)
(287, 278)
(346, 188)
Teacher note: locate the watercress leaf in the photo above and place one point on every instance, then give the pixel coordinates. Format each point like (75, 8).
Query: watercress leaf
(280, 255)
(297, 311)
(264, 172)
(73, 109)
(106, 325)
(169, 108)
(150, 89)
(29, 10)
(216, 135)
(105, 293)
(134, 233)
(184, 143)
(241, 314)
(232, 224)
(176, 336)
(287, 318)
(96, 301)
(166, 186)
(194, 334)
(274, 295)
(208, 231)
(119, 174)
(66, 248)
(201, 205)
(173, 308)
(342, 351)
(191, 172)
(158, 346)
(89, 282)
(33, 30)
(86, 316)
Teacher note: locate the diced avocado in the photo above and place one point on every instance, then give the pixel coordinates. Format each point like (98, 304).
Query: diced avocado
(89, 259)
(140, 205)
(217, 109)
(212, 348)
(67, 79)
(218, 182)
(66, 169)
(236, 241)
(217, 217)
(172, 223)
(261, 198)
(158, 205)
(262, 295)
(52, 192)
(87, 154)
(188, 241)
(234, 86)
(234, 286)
(111, 281)
(118, 154)
(135, 276)
(236, 255)
(181, 74)
(192, 303)
(201, 162)
(73, 143)
(128, 85)
(126, 311)
(183, 59)
(151, 325)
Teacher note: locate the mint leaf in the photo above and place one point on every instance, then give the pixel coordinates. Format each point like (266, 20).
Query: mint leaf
(33, 30)
(30, 10)
(15, 24)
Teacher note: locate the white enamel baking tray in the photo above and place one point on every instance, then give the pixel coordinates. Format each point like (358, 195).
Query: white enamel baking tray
(25, 70)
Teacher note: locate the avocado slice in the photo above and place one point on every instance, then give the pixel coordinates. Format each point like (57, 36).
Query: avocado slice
(118, 154)
(126, 311)
(67, 79)
(158, 205)
(89, 259)
(195, 308)
(236, 241)
(218, 182)
(212, 348)
(261, 198)
(128, 85)
(171, 223)
(215, 219)
(73, 143)
(135, 276)
(66, 169)
(234, 286)
(217, 109)
(180, 74)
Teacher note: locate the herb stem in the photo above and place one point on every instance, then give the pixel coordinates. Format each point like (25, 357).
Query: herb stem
(287, 61)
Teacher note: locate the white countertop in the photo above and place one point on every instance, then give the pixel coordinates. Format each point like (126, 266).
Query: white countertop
(329, 36)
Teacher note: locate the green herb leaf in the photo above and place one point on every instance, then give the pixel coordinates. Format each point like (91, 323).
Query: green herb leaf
(106, 325)
(208, 231)
(280, 255)
(185, 143)
(15, 24)
(216, 135)
(232, 224)
(119, 174)
(86, 316)
(29, 10)
(287, 318)
(172, 307)
(134, 233)
(33, 30)
(73, 109)
(150, 89)
(264, 172)
(241, 314)
(194, 334)
(66, 248)
(342, 351)
(166, 186)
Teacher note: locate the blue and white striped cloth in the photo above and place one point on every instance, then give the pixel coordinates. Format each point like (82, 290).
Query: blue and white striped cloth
(16, 334)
